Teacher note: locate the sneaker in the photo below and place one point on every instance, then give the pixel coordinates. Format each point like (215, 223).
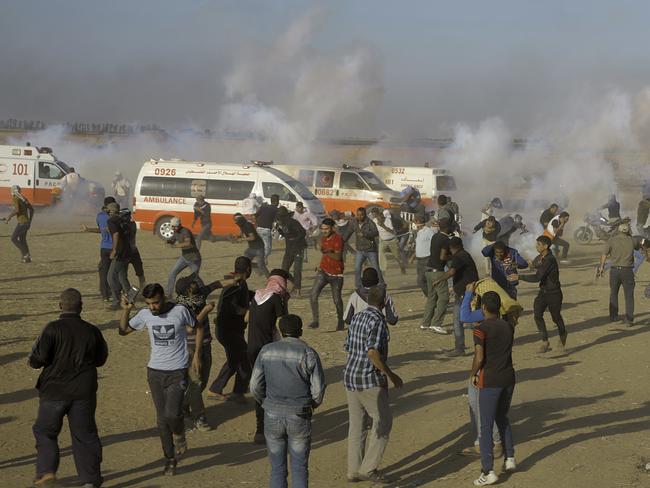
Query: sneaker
(438, 330)
(486, 479)
(545, 347)
(628, 322)
(27, 259)
(202, 424)
(180, 445)
(374, 477)
(313, 325)
(510, 464)
(424, 327)
(259, 438)
(170, 467)
(565, 261)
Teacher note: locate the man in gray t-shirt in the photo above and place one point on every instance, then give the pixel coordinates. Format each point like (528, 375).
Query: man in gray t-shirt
(168, 325)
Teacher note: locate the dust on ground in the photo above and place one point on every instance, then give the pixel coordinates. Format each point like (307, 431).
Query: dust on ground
(579, 419)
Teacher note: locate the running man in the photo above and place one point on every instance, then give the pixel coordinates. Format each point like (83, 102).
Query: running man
(330, 272)
(168, 325)
(255, 243)
(190, 256)
(202, 213)
(547, 273)
(24, 213)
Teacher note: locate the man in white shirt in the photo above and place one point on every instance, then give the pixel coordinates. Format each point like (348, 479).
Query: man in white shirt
(250, 206)
(308, 221)
(121, 190)
(554, 231)
(387, 240)
(168, 325)
(422, 251)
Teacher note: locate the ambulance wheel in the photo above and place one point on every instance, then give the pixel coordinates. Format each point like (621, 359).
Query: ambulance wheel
(583, 235)
(164, 228)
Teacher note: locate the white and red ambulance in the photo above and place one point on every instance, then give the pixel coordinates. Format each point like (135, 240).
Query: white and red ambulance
(39, 174)
(344, 188)
(430, 182)
(168, 188)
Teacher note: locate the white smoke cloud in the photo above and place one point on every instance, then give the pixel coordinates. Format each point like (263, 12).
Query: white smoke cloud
(291, 94)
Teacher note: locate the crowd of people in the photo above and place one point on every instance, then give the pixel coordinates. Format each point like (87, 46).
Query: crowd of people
(262, 341)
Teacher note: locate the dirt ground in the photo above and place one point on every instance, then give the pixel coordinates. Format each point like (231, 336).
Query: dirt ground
(579, 419)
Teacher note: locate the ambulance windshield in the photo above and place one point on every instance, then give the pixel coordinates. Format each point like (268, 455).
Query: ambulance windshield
(295, 185)
(374, 183)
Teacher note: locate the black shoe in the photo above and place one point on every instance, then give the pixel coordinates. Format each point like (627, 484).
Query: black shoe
(313, 325)
(170, 467)
(259, 438)
(340, 326)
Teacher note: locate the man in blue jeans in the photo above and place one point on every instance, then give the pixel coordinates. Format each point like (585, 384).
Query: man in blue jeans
(289, 382)
(366, 245)
(494, 376)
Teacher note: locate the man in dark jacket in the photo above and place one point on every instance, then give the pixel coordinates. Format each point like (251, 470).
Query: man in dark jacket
(69, 350)
(550, 292)
(366, 244)
(295, 240)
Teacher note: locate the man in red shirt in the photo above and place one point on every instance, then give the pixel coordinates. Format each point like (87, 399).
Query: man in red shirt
(330, 271)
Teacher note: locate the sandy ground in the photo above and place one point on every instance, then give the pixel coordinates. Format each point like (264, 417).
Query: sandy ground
(579, 419)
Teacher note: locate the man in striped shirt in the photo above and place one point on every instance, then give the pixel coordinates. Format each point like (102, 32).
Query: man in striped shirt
(365, 378)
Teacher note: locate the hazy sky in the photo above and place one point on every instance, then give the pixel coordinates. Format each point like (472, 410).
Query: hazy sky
(428, 64)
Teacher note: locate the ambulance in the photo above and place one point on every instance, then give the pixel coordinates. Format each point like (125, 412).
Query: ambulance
(168, 188)
(430, 182)
(345, 188)
(39, 174)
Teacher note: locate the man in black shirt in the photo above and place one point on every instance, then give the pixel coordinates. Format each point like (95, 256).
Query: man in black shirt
(264, 219)
(493, 374)
(295, 240)
(69, 350)
(438, 295)
(255, 243)
(118, 278)
(547, 215)
(230, 329)
(550, 292)
(190, 256)
(462, 269)
(202, 213)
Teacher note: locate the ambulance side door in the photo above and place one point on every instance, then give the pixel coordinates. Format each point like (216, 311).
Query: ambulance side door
(352, 187)
(48, 180)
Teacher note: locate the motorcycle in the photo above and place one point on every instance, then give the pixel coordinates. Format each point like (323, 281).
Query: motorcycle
(596, 226)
